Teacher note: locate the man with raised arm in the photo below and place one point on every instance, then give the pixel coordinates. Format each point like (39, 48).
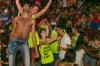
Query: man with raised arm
(18, 40)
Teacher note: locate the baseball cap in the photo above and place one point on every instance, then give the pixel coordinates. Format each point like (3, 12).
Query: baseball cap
(6, 10)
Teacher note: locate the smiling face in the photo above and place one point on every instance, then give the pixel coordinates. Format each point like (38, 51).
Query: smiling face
(34, 9)
(43, 33)
(86, 39)
(97, 40)
(59, 31)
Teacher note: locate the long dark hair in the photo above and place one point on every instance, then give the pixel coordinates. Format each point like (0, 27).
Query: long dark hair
(80, 40)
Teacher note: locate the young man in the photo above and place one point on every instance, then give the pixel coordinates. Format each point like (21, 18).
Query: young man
(64, 44)
(5, 17)
(18, 40)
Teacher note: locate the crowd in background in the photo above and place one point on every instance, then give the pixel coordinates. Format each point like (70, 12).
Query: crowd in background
(78, 24)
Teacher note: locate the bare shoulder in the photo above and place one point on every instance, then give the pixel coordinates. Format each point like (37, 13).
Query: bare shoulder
(18, 18)
(15, 19)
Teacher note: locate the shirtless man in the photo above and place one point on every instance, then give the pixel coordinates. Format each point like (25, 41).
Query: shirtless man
(18, 40)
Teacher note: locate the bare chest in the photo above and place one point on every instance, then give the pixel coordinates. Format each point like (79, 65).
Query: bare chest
(22, 22)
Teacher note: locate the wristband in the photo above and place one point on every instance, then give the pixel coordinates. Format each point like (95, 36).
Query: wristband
(33, 16)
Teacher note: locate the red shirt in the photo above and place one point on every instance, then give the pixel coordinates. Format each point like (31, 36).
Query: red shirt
(95, 20)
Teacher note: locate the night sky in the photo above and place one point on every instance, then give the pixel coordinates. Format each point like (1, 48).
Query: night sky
(93, 1)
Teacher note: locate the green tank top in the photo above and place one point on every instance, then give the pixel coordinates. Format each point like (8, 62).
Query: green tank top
(10, 27)
(46, 54)
(33, 16)
(30, 41)
(74, 40)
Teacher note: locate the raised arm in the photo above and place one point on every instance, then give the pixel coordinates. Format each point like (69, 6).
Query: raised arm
(48, 41)
(34, 38)
(38, 14)
(20, 9)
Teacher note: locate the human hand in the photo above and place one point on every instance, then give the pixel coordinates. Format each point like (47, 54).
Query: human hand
(55, 37)
(2, 30)
(37, 55)
(59, 37)
(50, 0)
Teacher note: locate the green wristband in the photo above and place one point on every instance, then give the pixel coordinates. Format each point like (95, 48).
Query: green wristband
(33, 16)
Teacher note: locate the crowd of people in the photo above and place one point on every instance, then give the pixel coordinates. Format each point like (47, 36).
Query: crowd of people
(52, 33)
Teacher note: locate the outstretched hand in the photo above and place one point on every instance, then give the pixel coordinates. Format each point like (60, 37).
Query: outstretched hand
(37, 55)
(50, 0)
(59, 37)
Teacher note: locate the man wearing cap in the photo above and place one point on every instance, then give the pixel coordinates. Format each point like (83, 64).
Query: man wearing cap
(5, 17)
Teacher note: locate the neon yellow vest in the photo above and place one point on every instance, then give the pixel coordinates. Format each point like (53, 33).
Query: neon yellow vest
(10, 27)
(30, 41)
(46, 54)
(43, 27)
(74, 40)
(33, 16)
(54, 45)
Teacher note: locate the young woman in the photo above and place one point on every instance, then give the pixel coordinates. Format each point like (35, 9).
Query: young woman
(46, 54)
(82, 48)
(94, 47)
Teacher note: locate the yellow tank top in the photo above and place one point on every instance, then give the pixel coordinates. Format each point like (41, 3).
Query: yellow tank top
(46, 54)
(54, 45)
(74, 40)
(10, 27)
(33, 16)
(30, 41)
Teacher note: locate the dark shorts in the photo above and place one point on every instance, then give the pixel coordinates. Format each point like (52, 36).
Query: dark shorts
(49, 64)
(4, 65)
(56, 56)
(88, 60)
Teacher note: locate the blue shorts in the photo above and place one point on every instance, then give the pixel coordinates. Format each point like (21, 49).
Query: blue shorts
(56, 56)
(88, 60)
(49, 64)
